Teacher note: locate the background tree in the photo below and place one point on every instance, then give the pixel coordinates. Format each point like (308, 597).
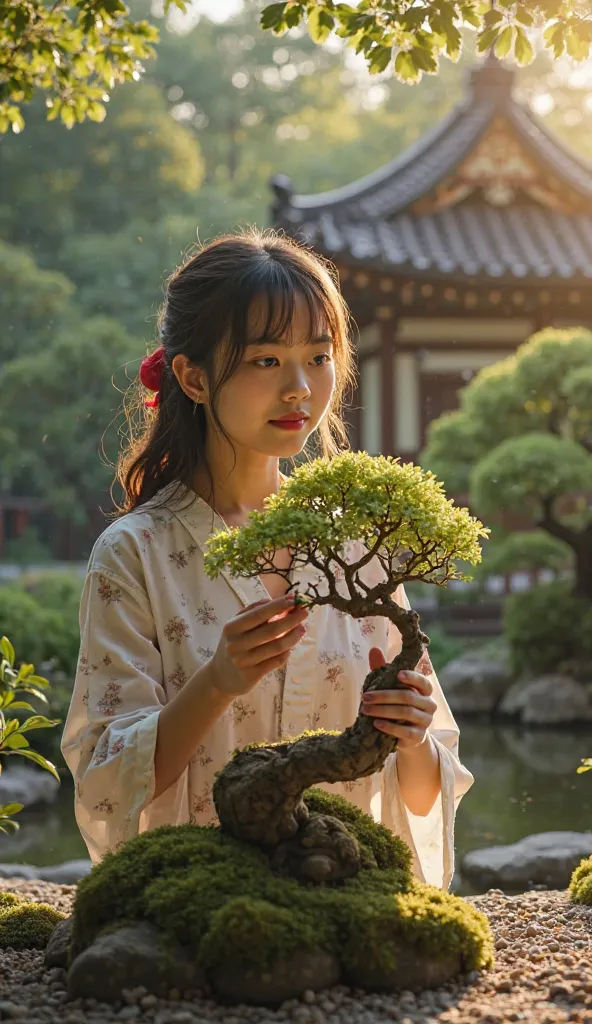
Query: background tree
(521, 443)
(58, 445)
(74, 51)
(414, 36)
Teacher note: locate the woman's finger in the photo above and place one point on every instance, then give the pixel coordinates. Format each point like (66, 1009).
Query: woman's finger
(404, 697)
(394, 713)
(257, 613)
(263, 652)
(268, 631)
(416, 680)
(403, 732)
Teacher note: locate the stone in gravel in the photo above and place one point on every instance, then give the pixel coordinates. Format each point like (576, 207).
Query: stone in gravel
(27, 872)
(129, 957)
(547, 858)
(68, 873)
(412, 970)
(57, 949)
(286, 979)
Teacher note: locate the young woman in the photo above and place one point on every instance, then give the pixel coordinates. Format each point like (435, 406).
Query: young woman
(176, 670)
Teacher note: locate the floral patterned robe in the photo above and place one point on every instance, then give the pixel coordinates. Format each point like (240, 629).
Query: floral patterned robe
(149, 618)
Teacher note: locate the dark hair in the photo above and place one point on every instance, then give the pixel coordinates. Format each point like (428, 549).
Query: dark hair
(208, 299)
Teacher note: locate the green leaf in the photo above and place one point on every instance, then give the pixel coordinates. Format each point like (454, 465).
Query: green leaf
(38, 722)
(504, 42)
(320, 24)
(586, 766)
(492, 17)
(96, 112)
(405, 68)
(380, 58)
(523, 48)
(32, 755)
(577, 47)
(8, 827)
(554, 36)
(21, 705)
(7, 650)
(272, 17)
(24, 672)
(6, 809)
(15, 742)
(524, 17)
(486, 39)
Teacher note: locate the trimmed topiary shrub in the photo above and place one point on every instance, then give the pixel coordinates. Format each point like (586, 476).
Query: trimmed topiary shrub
(580, 886)
(26, 925)
(549, 629)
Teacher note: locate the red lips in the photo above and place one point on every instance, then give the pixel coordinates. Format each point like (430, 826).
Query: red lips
(291, 421)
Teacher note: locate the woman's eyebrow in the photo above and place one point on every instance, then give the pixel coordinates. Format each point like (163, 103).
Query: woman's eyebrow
(321, 339)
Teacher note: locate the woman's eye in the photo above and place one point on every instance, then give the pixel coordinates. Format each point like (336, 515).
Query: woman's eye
(265, 361)
(322, 358)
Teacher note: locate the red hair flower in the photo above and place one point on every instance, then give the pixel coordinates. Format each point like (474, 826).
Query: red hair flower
(151, 375)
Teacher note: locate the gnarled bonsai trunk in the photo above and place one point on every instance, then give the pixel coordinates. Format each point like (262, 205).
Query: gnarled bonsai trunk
(258, 795)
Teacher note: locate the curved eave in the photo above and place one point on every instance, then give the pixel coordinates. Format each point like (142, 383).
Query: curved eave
(577, 171)
(410, 174)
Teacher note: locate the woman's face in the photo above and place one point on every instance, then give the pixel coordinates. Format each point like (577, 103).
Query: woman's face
(281, 389)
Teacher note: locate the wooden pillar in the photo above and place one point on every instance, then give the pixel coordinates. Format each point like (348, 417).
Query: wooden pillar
(387, 353)
(21, 521)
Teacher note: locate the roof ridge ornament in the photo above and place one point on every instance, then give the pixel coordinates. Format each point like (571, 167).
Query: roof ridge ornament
(492, 80)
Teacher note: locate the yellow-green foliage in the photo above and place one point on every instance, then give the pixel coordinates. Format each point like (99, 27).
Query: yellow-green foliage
(354, 496)
(580, 885)
(219, 898)
(25, 925)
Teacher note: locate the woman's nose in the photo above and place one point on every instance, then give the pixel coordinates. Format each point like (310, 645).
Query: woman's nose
(296, 387)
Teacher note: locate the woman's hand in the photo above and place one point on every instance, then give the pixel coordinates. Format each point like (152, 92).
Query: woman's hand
(406, 713)
(255, 642)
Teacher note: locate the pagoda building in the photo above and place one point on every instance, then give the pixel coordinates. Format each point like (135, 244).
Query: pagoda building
(451, 255)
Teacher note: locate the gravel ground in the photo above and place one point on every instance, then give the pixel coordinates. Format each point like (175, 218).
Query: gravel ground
(543, 974)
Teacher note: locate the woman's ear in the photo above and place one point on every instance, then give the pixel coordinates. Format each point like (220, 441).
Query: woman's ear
(192, 379)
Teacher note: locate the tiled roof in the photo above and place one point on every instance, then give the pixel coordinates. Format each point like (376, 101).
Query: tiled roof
(372, 221)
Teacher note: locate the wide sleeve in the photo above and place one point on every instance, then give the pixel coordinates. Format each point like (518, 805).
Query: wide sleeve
(432, 836)
(109, 737)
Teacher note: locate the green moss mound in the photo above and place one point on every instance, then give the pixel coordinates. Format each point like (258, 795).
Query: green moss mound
(219, 899)
(25, 925)
(580, 886)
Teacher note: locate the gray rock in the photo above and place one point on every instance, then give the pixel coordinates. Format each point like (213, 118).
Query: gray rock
(414, 972)
(546, 858)
(24, 871)
(129, 957)
(475, 682)
(548, 700)
(288, 978)
(68, 873)
(57, 949)
(27, 786)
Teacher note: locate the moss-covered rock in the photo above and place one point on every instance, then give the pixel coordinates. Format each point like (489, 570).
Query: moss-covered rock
(218, 898)
(580, 885)
(25, 925)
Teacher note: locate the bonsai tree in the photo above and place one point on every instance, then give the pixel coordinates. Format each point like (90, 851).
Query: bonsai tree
(298, 888)
(12, 731)
(404, 520)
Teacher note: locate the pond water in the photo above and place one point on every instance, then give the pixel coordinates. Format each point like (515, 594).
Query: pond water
(525, 782)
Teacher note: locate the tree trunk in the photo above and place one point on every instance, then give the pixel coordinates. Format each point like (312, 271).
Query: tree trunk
(258, 795)
(583, 566)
